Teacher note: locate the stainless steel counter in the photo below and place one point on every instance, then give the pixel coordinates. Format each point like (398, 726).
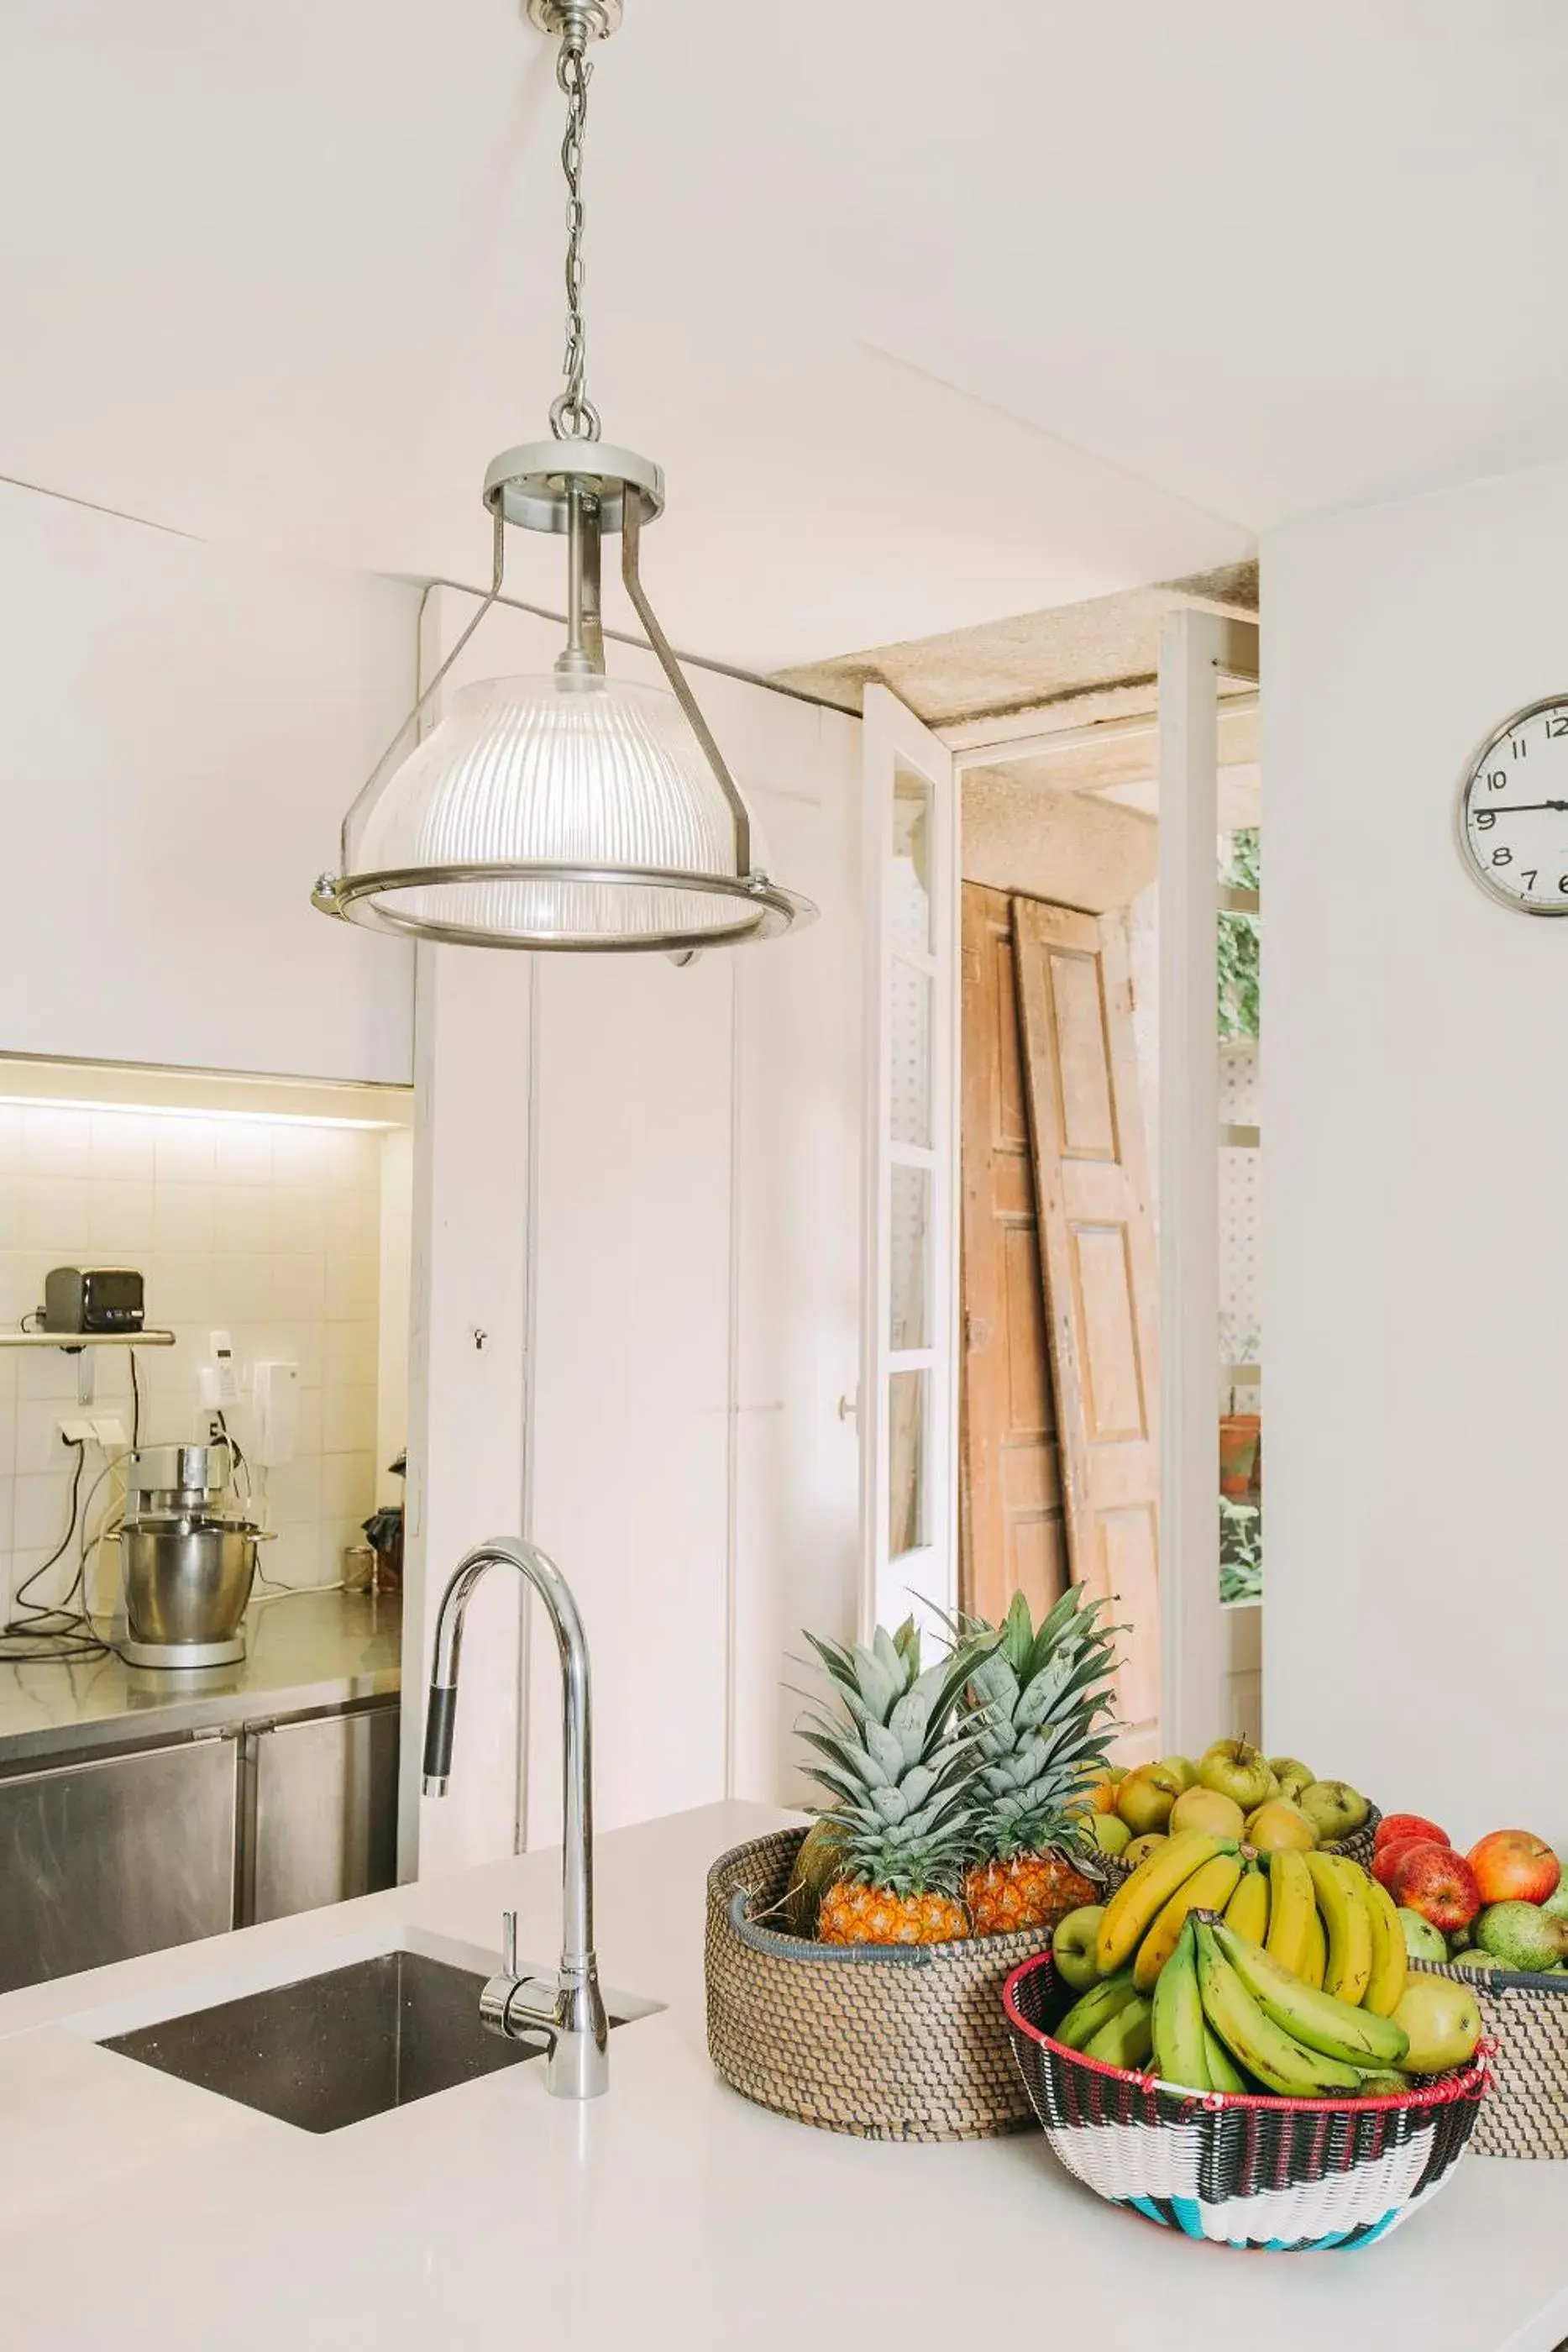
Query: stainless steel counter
(306, 1651)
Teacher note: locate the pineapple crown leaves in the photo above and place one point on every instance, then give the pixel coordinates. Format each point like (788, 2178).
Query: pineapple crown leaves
(898, 1767)
(1040, 1701)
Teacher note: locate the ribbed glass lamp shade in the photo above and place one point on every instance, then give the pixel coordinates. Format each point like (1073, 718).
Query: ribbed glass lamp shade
(601, 780)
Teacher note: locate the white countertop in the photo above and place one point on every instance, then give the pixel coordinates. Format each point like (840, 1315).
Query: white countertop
(303, 1651)
(139, 2212)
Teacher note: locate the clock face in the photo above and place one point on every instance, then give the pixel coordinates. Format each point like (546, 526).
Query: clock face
(1513, 810)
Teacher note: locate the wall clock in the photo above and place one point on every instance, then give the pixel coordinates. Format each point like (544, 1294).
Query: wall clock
(1513, 813)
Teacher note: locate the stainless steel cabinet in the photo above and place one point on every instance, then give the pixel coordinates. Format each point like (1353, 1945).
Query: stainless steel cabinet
(323, 1809)
(116, 1856)
(130, 1852)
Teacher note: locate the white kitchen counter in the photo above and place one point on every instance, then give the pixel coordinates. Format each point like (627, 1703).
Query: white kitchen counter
(139, 2212)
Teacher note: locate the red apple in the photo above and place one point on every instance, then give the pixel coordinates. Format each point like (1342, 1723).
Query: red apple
(1515, 1866)
(1407, 1825)
(1439, 1883)
(1387, 1858)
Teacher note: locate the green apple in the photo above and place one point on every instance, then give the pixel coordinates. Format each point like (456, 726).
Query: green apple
(1293, 1775)
(1422, 1940)
(1072, 1946)
(1334, 1809)
(1184, 1768)
(1146, 1796)
(1205, 1809)
(1237, 1769)
(1474, 1963)
(1141, 1848)
(1557, 1904)
(1110, 1832)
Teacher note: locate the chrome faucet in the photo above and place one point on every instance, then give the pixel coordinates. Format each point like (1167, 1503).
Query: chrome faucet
(569, 2013)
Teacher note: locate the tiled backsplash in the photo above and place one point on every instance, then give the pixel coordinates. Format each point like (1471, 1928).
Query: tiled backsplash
(263, 1228)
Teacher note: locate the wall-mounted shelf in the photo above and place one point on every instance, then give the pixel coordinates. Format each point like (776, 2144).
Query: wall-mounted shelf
(74, 1341)
(78, 1343)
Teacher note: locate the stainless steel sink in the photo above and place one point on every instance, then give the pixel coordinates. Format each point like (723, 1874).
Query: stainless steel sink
(332, 2049)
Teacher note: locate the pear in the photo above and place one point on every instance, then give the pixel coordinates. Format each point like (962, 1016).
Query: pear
(1522, 1936)
(1334, 1809)
(1279, 1825)
(1205, 1809)
(1141, 1848)
(1557, 1904)
(1238, 1770)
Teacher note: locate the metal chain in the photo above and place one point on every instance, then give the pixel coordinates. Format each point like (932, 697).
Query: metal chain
(573, 415)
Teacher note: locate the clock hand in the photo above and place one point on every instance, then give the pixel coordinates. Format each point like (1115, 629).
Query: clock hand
(1520, 808)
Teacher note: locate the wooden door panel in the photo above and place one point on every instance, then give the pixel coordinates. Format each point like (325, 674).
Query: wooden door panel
(1098, 1273)
(1012, 1533)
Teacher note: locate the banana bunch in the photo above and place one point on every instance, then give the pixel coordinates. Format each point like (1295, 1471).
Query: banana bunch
(1318, 1916)
(1226, 2016)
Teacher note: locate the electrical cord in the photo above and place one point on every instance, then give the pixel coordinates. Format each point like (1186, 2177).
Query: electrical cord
(35, 1632)
(135, 1401)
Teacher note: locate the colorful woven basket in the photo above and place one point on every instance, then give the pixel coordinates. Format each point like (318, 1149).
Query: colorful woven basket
(1360, 1845)
(1289, 2175)
(1527, 2018)
(901, 2042)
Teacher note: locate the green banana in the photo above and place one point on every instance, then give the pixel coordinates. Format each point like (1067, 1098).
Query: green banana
(1224, 2074)
(1280, 2062)
(1094, 2008)
(1128, 2041)
(1136, 1901)
(1178, 2028)
(1338, 2029)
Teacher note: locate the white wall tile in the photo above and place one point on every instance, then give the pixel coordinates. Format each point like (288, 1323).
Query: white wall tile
(254, 1227)
(122, 1145)
(56, 1216)
(243, 1151)
(56, 1142)
(184, 1216)
(123, 1222)
(185, 1150)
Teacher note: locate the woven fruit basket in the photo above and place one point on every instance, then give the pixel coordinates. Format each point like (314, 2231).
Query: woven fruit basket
(1361, 1845)
(1527, 2020)
(902, 2042)
(1286, 2175)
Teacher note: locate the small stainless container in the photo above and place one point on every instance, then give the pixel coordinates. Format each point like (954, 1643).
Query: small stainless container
(187, 1565)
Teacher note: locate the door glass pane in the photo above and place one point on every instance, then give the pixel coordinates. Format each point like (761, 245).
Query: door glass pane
(909, 896)
(909, 1048)
(910, 1239)
(1241, 1222)
(905, 1462)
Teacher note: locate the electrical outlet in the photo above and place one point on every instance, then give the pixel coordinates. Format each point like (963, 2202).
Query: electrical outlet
(77, 1429)
(109, 1433)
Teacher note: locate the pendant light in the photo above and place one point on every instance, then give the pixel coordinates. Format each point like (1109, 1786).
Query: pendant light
(572, 811)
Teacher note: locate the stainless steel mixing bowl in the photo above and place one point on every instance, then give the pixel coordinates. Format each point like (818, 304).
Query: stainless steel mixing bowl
(187, 1580)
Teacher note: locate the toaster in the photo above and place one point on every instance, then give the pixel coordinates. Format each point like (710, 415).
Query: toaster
(94, 1298)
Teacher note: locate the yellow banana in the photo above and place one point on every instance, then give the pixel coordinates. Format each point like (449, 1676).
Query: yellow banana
(1279, 2061)
(1248, 1909)
(1290, 1902)
(1337, 2028)
(1149, 1889)
(1094, 2008)
(1208, 1889)
(1128, 2040)
(1224, 2074)
(1178, 2022)
(1342, 1898)
(1314, 1958)
(1385, 1988)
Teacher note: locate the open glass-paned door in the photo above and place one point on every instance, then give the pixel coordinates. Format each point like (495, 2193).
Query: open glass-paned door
(908, 1408)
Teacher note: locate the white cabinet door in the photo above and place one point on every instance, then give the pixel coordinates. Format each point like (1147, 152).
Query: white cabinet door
(908, 1395)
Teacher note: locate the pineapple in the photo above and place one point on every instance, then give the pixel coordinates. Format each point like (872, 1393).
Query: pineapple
(901, 1778)
(1039, 1700)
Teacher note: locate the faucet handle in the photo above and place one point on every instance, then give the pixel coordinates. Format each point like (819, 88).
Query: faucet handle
(509, 1943)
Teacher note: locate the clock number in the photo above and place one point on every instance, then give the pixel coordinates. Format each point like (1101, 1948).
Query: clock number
(1529, 879)
(1485, 820)
(1496, 781)
(1556, 724)
(1562, 884)
(1518, 746)
(1503, 856)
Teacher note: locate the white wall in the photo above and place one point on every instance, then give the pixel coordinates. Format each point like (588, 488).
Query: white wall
(692, 1313)
(1415, 1123)
(181, 731)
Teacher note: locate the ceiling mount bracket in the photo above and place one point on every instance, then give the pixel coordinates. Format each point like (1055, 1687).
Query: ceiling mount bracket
(592, 20)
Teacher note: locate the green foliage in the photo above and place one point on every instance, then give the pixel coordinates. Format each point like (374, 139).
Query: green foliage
(1240, 1551)
(1238, 939)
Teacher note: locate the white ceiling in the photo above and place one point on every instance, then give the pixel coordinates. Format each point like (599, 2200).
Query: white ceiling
(933, 313)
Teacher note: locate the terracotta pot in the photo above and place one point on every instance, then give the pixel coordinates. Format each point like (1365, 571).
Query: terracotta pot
(1240, 1434)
